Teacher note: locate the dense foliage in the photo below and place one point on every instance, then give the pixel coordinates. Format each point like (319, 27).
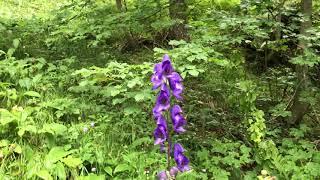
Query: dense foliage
(76, 99)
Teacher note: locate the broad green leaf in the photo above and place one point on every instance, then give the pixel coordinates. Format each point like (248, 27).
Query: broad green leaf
(10, 52)
(32, 94)
(92, 177)
(115, 92)
(16, 43)
(122, 168)
(133, 83)
(4, 143)
(108, 170)
(28, 128)
(72, 162)
(6, 117)
(54, 129)
(193, 72)
(55, 154)
(220, 62)
(17, 148)
(60, 171)
(139, 97)
(44, 174)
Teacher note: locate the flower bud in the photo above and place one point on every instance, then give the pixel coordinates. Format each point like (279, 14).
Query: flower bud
(162, 175)
(174, 171)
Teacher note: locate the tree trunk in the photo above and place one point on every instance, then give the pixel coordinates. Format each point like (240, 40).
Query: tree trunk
(178, 13)
(299, 108)
(119, 4)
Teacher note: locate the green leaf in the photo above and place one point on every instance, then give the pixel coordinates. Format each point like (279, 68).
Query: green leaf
(139, 97)
(193, 72)
(121, 168)
(44, 174)
(4, 143)
(108, 170)
(28, 128)
(220, 62)
(176, 43)
(32, 94)
(72, 162)
(133, 82)
(92, 177)
(54, 129)
(17, 149)
(10, 52)
(56, 154)
(60, 171)
(6, 117)
(16, 43)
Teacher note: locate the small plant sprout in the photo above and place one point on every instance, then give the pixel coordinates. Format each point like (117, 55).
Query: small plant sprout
(170, 83)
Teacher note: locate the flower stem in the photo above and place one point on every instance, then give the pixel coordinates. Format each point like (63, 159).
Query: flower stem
(168, 152)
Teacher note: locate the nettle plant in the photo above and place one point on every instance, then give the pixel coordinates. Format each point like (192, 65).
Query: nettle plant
(165, 78)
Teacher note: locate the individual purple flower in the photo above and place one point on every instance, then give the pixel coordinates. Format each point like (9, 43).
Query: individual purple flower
(161, 132)
(162, 175)
(166, 65)
(163, 101)
(181, 160)
(162, 148)
(157, 78)
(175, 84)
(173, 171)
(177, 118)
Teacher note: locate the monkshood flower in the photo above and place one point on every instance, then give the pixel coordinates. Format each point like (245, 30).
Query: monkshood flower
(165, 77)
(178, 121)
(173, 171)
(162, 175)
(164, 71)
(175, 84)
(161, 132)
(181, 160)
(163, 101)
(157, 78)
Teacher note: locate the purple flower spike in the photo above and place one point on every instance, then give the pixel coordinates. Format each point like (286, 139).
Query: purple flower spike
(177, 118)
(163, 101)
(181, 160)
(164, 76)
(162, 175)
(161, 132)
(176, 85)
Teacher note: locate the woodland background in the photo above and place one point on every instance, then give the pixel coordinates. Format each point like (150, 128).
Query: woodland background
(76, 99)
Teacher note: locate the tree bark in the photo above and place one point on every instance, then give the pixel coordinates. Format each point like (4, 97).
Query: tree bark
(300, 108)
(119, 4)
(178, 12)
